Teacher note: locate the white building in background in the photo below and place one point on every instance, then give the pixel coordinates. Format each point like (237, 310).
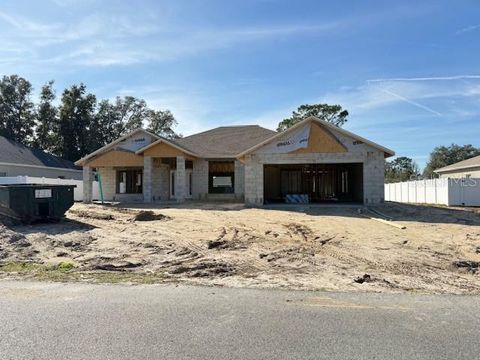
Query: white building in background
(19, 160)
(469, 168)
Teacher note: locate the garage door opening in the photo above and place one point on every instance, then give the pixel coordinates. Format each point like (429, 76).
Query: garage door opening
(319, 183)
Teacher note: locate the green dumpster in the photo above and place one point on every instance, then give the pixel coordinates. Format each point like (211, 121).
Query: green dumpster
(32, 202)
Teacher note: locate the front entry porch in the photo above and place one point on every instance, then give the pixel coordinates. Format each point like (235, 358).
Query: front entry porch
(167, 178)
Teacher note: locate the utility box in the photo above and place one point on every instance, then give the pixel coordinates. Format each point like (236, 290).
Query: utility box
(31, 202)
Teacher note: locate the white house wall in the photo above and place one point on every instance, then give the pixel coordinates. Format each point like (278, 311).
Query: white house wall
(455, 174)
(48, 172)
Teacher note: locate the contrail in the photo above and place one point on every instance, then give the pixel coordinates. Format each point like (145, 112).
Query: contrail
(434, 78)
(411, 102)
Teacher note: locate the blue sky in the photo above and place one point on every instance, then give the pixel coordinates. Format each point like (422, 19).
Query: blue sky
(407, 71)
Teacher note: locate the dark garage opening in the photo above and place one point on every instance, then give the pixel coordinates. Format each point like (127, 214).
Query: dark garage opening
(322, 183)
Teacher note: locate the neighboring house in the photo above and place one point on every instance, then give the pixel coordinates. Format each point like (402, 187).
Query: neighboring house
(247, 163)
(469, 168)
(19, 160)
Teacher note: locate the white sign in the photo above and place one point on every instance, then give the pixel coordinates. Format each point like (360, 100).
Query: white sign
(43, 193)
(296, 140)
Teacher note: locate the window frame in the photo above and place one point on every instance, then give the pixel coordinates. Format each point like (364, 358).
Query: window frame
(132, 176)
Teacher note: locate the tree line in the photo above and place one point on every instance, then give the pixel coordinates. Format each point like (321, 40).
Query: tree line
(404, 168)
(78, 123)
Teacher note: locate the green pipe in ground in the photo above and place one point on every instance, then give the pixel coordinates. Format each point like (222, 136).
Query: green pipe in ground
(100, 186)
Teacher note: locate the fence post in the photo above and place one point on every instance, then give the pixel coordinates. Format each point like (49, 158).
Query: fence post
(425, 191)
(415, 187)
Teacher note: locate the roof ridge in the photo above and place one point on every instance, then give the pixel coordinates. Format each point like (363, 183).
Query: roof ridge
(226, 127)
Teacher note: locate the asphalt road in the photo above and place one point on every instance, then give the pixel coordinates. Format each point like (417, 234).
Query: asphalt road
(80, 321)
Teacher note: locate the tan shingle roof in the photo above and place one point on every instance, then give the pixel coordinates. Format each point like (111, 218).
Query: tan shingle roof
(465, 164)
(225, 141)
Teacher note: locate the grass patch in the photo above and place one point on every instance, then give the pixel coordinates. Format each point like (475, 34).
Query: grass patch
(65, 266)
(66, 272)
(21, 267)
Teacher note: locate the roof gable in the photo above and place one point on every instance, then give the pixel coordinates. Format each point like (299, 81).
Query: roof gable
(164, 146)
(321, 140)
(132, 141)
(335, 130)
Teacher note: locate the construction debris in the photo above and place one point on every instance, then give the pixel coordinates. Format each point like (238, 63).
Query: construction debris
(362, 279)
(470, 265)
(149, 216)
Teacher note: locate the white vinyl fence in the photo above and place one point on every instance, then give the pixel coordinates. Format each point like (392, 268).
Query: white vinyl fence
(463, 192)
(78, 191)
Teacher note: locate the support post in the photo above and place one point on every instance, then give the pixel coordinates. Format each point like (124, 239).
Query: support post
(147, 178)
(180, 179)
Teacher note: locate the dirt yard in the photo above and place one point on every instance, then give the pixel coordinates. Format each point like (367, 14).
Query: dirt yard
(318, 248)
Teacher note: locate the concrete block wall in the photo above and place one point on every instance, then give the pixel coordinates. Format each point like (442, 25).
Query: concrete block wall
(373, 177)
(160, 182)
(373, 170)
(239, 180)
(180, 181)
(200, 179)
(147, 178)
(108, 176)
(253, 180)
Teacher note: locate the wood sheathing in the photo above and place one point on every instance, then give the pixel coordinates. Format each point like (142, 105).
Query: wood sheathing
(115, 158)
(165, 151)
(321, 141)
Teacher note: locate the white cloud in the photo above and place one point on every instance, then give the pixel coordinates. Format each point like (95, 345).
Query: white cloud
(380, 93)
(468, 29)
(432, 78)
(25, 25)
(411, 102)
(191, 108)
(123, 39)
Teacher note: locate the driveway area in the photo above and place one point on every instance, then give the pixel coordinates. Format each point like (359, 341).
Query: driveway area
(85, 321)
(309, 248)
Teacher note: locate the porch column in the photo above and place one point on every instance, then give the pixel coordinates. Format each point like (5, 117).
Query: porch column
(180, 179)
(87, 184)
(147, 178)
